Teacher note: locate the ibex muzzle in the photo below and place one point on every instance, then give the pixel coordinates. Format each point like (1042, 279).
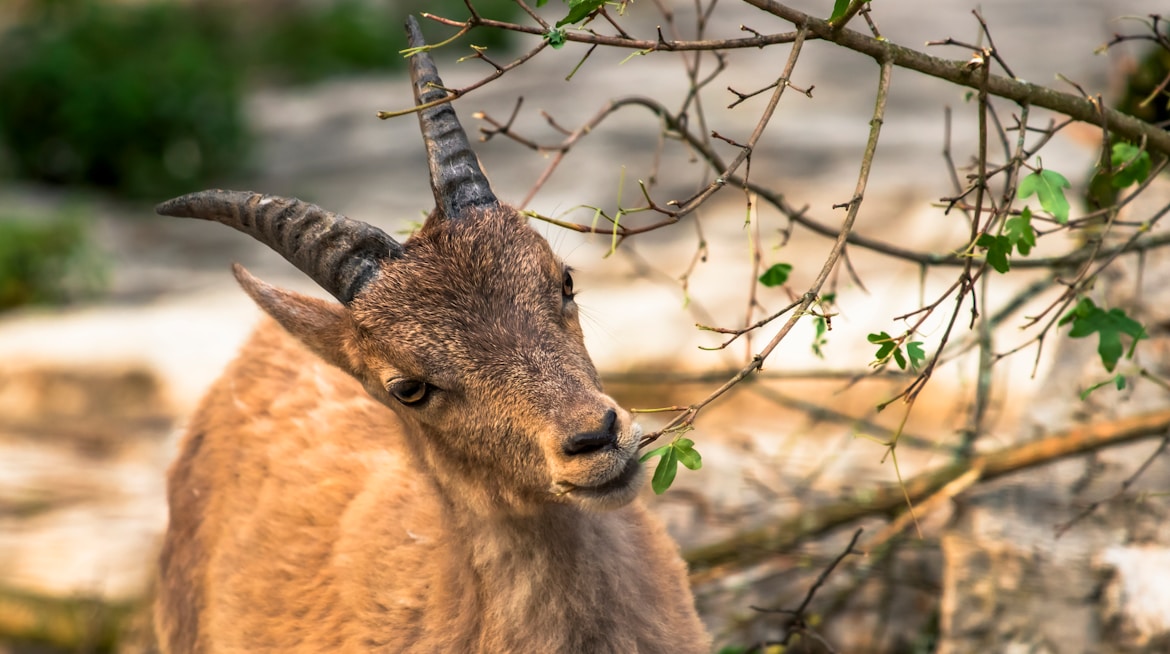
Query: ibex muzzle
(490, 509)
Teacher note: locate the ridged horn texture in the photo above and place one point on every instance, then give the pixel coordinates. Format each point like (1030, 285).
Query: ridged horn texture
(339, 253)
(456, 178)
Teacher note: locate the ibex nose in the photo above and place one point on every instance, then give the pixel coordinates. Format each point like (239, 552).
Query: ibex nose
(592, 441)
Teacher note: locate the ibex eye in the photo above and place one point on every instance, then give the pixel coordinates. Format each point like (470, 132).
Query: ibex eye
(567, 284)
(408, 391)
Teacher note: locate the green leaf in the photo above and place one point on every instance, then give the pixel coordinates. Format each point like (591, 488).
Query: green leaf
(1046, 185)
(541, 3)
(665, 472)
(555, 38)
(916, 353)
(1131, 165)
(579, 10)
(777, 275)
(885, 344)
(839, 7)
(998, 248)
(1083, 308)
(1088, 319)
(658, 451)
(681, 450)
(685, 450)
(821, 339)
(1019, 232)
(900, 358)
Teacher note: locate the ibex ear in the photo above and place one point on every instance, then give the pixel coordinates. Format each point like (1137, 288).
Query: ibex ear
(324, 327)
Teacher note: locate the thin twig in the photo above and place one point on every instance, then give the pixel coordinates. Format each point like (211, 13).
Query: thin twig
(798, 623)
(1063, 528)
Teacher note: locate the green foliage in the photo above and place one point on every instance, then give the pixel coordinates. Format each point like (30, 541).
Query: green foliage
(1116, 380)
(777, 275)
(916, 354)
(1144, 83)
(1128, 165)
(1017, 233)
(555, 38)
(821, 338)
(839, 7)
(317, 41)
(145, 100)
(998, 248)
(47, 260)
(889, 347)
(579, 10)
(886, 347)
(313, 40)
(1131, 165)
(681, 450)
(822, 325)
(1048, 187)
(1088, 319)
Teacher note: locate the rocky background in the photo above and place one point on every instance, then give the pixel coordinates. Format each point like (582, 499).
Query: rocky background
(94, 391)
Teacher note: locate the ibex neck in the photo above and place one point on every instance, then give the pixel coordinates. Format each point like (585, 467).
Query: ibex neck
(559, 577)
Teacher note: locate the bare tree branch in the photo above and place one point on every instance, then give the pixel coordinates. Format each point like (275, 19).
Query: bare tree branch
(753, 546)
(957, 73)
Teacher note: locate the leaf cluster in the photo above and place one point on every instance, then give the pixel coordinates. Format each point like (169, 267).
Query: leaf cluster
(680, 450)
(890, 347)
(1128, 165)
(1017, 233)
(1087, 319)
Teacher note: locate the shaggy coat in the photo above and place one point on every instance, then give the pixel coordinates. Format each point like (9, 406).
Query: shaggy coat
(429, 465)
(306, 516)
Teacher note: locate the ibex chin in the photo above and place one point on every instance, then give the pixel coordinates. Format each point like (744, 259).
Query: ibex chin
(430, 465)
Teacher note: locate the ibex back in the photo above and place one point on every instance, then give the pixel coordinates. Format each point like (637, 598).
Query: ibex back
(430, 465)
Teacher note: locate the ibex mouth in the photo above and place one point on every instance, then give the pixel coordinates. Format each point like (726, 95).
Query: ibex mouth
(611, 494)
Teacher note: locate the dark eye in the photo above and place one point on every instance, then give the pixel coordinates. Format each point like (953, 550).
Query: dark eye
(567, 285)
(408, 391)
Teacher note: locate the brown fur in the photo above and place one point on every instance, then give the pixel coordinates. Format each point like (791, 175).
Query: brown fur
(308, 515)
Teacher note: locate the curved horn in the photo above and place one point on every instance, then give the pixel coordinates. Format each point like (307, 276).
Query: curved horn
(456, 178)
(340, 254)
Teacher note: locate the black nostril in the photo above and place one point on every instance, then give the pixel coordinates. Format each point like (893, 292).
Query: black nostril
(592, 441)
(610, 426)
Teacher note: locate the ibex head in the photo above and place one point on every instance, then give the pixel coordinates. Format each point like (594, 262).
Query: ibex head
(468, 330)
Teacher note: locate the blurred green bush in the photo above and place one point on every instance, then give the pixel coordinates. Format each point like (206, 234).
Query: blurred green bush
(310, 43)
(144, 100)
(1144, 95)
(47, 259)
(147, 99)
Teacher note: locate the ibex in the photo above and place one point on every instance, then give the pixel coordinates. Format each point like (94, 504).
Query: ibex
(479, 495)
